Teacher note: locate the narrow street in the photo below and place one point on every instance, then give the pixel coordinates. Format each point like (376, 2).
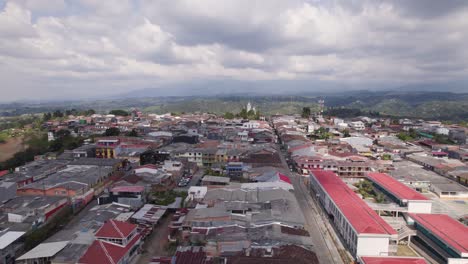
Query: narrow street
(155, 244)
(323, 243)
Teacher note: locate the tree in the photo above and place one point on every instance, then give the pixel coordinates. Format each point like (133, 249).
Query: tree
(379, 198)
(132, 133)
(119, 112)
(57, 113)
(47, 116)
(112, 132)
(346, 133)
(305, 112)
(62, 133)
(228, 115)
(386, 157)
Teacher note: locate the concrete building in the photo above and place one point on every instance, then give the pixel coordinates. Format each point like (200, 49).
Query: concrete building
(364, 232)
(400, 193)
(391, 260)
(443, 236)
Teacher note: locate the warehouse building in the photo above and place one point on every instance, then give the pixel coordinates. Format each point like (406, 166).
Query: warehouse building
(400, 193)
(363, 231)
(443, 236)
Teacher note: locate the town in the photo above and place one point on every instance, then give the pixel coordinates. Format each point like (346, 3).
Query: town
(238, 188)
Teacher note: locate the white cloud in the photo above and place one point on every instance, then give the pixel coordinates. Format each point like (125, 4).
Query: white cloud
(122, 45)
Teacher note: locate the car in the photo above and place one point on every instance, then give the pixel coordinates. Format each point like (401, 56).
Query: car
(183, 183)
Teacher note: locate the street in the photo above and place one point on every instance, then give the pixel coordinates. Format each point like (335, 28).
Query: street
(323, 241)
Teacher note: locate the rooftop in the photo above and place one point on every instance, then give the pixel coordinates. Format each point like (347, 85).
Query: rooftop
(209, 178)
(392, 260)
(359, 214)
(9, 237)
(447, 229)
(44, 250)
(398, 189)
(117, 229)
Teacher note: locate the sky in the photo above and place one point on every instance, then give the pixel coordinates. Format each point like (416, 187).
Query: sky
(55, 49)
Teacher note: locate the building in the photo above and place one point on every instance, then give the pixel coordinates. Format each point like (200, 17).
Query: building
(458, 135)
(33, 210)
(357, 125)
(8, 245)
(391, 260)
(400, 193)
(450, 190)
(235, 169)
(43, 253)
(364, 232)
(443, 235)
(215, 180)
(116, 242)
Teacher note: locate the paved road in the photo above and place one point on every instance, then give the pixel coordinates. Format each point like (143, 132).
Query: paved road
(193, 182)
(323, 244)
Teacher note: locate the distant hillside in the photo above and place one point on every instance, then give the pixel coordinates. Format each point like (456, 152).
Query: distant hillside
(427, 105)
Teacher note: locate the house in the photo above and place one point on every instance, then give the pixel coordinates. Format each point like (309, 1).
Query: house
(116, 242)
(32, 209)
(357, 125)
(215, 180)
(9, 245)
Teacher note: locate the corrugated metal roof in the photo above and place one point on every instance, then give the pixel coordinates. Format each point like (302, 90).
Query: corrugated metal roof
(44, 250)
(9, 237)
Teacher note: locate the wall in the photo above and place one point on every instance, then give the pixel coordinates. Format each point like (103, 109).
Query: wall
(420, 207)
(372, 246)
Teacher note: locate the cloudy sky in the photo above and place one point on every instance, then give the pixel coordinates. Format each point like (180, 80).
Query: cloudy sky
(85, 48)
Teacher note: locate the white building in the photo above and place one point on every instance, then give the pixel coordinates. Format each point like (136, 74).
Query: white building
(364, 232)
(357, 125)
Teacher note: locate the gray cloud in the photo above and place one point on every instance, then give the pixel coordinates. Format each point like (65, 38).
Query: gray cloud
(123, 45)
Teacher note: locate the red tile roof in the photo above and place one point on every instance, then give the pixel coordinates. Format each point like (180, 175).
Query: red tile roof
(191, 256)
(117, 229)
(447, 229)
(128, 189)
(3, 173)
(106, 253)
(392, 260)
(284, 178)
(363, 219)
(395, 187)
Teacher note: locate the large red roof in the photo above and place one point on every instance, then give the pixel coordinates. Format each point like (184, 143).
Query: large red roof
(447, 229)
(3, 173)
(117, 229)
(395, 187)
(363, 219)
(392, 260)
(106, 253)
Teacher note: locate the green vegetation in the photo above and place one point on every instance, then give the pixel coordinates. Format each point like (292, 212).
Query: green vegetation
(64, 141)
(132, 133)
(305, 112)
(386, 157)
(119, 112)
(322, 133)
(442, 139)
(209, 171)
(408, 136)
(112, 132)
(366, 189)
(51, 227)
(36, 143)
(346, 133)
(167, 197)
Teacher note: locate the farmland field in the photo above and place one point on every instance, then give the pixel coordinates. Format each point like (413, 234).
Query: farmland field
(10, 147)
